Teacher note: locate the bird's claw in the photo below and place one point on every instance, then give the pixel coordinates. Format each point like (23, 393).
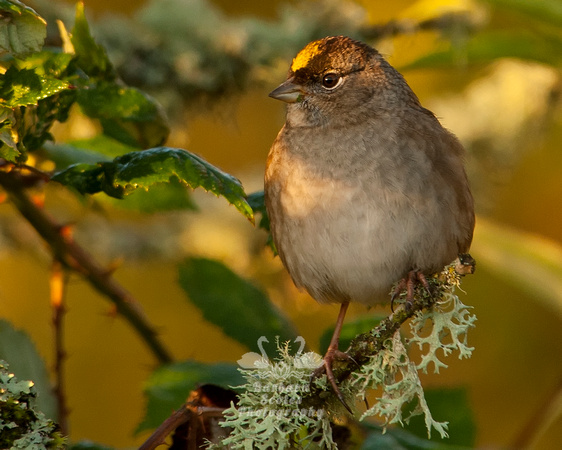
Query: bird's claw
(408, 284)
(326, 368)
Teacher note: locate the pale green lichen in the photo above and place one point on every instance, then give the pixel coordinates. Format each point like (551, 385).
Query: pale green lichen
(450, 321)
(443, 327)
(270, 412)
(22, 426)
(392, 370)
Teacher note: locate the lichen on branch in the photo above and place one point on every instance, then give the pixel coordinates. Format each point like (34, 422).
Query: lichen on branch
(281, 407)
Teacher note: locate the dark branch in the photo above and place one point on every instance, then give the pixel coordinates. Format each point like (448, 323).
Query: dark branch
(72, 256)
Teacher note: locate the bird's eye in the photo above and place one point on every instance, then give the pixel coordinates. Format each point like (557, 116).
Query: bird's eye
(331, 80)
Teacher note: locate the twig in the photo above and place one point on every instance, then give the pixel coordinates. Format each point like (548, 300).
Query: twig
(57, 283)
(187, 413)
(178, 417)
(72, 256)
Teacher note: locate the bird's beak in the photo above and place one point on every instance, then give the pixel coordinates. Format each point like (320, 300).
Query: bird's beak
(289, 92)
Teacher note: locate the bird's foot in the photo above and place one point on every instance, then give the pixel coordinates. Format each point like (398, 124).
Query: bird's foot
(326, 368)
(408, 284)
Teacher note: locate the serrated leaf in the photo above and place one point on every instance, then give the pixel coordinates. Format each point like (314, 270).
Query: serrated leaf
(25, 87)
(126, 114)
(92, 58)
(22, 31)
(171, 196)
(168, 387)
(18, 350)
(243, 311)
(143, 169)
(489, 46)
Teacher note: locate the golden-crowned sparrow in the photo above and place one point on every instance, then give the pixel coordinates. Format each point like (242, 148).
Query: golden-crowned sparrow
(363, 186)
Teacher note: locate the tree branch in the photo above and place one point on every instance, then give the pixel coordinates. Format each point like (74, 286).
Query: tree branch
(364, 346)
(72, 256)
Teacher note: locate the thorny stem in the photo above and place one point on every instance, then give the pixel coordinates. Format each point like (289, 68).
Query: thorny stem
(58, 287)
(73, 257)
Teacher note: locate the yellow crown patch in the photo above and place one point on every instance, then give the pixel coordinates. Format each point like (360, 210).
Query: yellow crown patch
(305, 55)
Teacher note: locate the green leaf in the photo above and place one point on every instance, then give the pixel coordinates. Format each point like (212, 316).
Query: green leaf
(171, 196)
(22, 30)
(50, 63)
(257, 203)
(143, 169)
(64, 155)
(18, 350)
(92, 58)
(25, 87)
(399, 439)
(168, 387)
(82, 151)
(486, 47)
(99, 147)
(452, 404)
(126, 114)
(8, 136)
(42, 117)
(104, 145)
(239, 308)
(349, 331)
(84, 178)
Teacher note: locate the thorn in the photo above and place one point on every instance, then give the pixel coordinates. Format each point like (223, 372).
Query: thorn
(112, 312)
(38, 200)
(67, 231)
(113, 266)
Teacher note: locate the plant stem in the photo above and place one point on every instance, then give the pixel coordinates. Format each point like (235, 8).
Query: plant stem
(58, 288)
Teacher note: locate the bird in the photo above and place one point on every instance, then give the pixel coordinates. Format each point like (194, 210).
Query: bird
(253, 360)
(364, 188)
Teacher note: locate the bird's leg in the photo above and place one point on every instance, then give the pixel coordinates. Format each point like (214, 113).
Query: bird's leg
(408, 284)
(334, 353)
